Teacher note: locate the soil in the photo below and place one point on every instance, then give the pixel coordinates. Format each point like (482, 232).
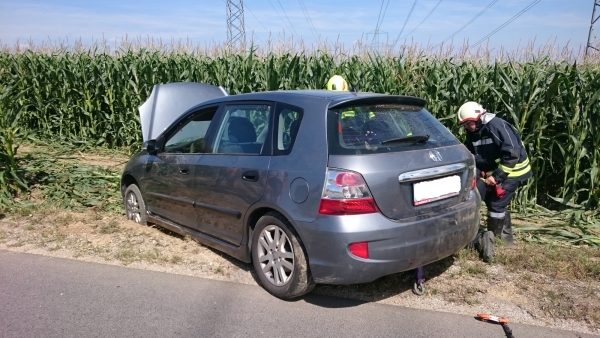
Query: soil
(460, 284)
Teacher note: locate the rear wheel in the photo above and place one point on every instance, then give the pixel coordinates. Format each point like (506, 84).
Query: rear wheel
(135, 208)
(279, 258)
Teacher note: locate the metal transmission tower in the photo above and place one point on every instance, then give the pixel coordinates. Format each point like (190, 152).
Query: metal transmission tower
(235, 22)
(592, 35)
(376, 44)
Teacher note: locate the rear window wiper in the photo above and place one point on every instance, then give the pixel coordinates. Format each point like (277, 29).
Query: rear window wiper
(412, 138)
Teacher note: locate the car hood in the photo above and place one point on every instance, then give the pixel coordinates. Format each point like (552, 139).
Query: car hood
(169, 101)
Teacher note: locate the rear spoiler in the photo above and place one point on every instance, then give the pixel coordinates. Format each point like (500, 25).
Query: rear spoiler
(378, 99)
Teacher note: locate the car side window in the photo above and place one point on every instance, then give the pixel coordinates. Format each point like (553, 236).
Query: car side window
(188, 136)
(288, 120)
(243, 130)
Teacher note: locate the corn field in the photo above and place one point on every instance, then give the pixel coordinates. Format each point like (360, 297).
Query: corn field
(90, 98)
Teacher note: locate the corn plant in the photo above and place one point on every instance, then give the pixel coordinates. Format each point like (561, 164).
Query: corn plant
(89, 97)
(11, 175)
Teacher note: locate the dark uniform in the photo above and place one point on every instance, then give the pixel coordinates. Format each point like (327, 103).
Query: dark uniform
(498, 152)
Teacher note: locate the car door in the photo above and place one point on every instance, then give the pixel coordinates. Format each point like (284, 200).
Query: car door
(232, 177)
(170, 187)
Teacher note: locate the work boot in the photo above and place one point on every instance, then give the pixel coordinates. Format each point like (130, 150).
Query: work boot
(507, 235)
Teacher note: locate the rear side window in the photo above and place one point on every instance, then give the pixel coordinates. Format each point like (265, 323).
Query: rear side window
(287, 122)
(370, 129)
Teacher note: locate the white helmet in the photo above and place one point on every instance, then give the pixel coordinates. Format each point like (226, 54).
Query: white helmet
(469, 111)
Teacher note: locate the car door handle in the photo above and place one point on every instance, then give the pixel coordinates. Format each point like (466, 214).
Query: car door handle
(184, 170)
(251, 176)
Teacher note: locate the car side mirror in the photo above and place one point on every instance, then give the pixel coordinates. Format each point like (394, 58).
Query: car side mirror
(149, 147)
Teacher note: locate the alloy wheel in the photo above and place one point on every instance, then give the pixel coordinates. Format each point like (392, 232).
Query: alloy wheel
(133, 208)
(276, 255)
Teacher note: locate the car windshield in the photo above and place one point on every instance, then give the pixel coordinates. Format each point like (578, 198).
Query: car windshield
(368, 129)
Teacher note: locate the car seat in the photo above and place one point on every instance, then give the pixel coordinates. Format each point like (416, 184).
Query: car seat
(241, 130)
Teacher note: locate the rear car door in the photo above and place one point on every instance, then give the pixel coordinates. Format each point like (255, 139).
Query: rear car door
(170, 187)
(233, 176)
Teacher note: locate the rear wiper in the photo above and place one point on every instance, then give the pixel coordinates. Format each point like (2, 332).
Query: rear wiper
(412, 138)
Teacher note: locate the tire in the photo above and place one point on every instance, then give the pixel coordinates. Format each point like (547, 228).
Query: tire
(487, 246)
(282, 270)
(135, 208)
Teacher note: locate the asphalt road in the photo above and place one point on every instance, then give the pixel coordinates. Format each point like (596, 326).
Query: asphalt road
(52, 297)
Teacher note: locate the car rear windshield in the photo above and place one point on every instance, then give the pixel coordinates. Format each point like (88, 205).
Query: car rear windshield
(371, 129)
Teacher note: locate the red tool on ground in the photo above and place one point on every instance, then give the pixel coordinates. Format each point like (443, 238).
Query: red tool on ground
(497, 320)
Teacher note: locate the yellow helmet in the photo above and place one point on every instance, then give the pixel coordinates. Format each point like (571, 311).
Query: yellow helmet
(469, 111)
(337, 83)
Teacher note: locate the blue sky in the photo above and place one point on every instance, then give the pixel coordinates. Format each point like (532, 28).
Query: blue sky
(559, 22)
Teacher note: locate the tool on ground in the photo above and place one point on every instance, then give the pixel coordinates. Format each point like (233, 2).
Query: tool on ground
(497, 320)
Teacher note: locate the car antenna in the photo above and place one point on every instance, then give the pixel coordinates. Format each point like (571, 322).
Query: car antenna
(355, 87)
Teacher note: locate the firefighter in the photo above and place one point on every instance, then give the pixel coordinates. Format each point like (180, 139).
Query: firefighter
(501, 165)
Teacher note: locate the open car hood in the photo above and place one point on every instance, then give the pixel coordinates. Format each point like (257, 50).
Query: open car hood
(169, 101)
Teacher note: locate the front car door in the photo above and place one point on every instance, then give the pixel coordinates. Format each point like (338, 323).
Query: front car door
(170, 188)
(232, 177)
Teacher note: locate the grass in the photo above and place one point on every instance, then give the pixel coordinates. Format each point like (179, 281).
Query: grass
(557, 261)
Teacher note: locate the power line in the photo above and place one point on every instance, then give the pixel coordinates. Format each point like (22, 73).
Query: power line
(305, 11)
(408, 17)
(535, 2)
(246, 6)
(419, 25)
(288, 19)
(377, 24)
(280, 18)
(468, 23)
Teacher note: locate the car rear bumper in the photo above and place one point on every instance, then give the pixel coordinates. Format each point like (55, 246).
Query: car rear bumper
(394, 246)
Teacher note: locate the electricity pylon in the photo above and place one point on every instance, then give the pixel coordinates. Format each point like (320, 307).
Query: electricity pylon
(235, 23)
(592, 43)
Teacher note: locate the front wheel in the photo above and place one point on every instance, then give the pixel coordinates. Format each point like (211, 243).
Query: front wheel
(279, 258)
(135, 208)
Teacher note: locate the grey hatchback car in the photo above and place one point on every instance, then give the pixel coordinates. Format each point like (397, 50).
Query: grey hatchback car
(311, 186)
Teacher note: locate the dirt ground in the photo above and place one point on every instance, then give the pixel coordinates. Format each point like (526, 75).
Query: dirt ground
(459, 284)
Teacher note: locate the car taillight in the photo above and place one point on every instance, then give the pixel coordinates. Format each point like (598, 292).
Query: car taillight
(360, 249)
(474, 183)
(346, 193)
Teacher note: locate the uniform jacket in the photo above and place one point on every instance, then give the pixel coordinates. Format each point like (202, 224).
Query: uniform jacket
(498, 148)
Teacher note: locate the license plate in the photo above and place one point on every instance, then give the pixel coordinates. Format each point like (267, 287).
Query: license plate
(429, 191)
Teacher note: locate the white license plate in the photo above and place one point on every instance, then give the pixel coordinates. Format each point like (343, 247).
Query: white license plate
(429, 191)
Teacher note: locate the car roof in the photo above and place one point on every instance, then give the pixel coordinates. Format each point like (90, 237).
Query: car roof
(331, 98)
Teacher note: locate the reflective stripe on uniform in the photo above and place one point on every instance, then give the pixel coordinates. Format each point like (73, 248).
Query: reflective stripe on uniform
(518, 170)
(497, 214)
(482, 142)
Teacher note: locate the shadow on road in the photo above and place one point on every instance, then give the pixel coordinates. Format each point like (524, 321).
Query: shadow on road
(382, 288)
